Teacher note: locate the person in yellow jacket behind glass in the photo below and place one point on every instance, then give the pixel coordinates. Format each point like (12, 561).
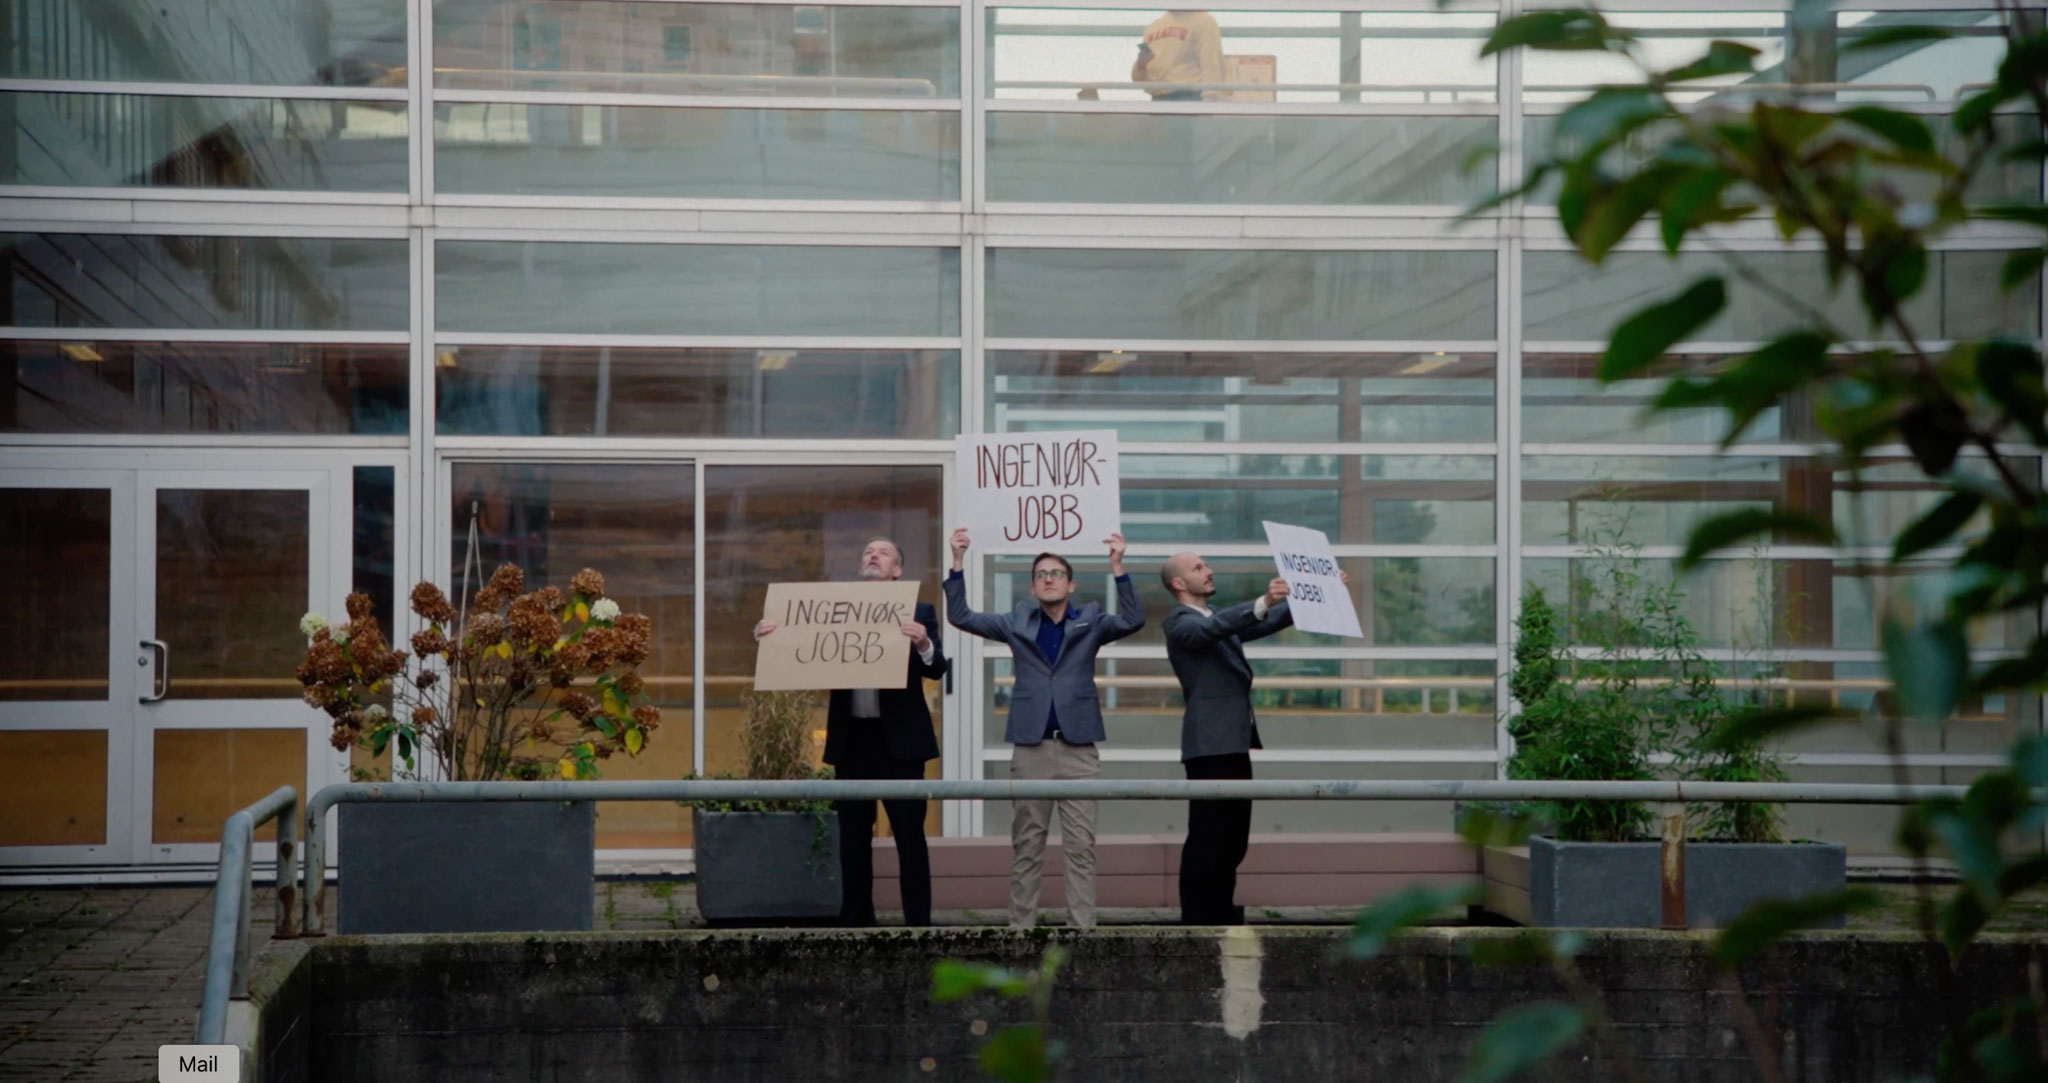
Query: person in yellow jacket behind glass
(1181, 46)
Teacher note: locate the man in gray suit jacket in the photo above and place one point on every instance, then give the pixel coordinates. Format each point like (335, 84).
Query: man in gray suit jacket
(1218, 729)
(1055, 718)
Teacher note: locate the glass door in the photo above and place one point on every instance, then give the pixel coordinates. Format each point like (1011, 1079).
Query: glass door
(228, 563)
(67, 666)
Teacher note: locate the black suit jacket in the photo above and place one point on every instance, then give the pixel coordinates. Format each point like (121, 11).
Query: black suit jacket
(1207, 654)
(906, 723)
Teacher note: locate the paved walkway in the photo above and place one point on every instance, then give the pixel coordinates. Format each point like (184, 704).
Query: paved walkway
(92, 980)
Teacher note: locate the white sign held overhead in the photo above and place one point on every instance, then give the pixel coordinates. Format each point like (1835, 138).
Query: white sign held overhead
(1030, 492)
(1316, 596)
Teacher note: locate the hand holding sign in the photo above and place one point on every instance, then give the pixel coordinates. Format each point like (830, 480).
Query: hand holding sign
(1315, 589)
(1038, 490)
(835, 635)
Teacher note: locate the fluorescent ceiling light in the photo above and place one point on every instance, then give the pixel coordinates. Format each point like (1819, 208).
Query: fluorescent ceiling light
(1431, 364)
(775, 360)
(1109, 362)
(81, 351)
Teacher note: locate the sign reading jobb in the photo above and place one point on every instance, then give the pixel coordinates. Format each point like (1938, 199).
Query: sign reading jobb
(835, 635)
(1026, 492)
(1315, 595)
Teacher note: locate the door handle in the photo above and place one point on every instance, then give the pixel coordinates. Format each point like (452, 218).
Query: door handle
(160, 674)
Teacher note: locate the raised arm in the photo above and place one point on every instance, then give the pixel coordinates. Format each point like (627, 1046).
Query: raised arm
(1278, 617)
(958, 613)
(1130, 609)
(1188, 630)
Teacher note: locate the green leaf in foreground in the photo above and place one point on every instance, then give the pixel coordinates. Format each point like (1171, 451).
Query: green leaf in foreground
(1520, 1039)
(954, 980)
(1767, 922)
(1407, 907)
(1644, 337)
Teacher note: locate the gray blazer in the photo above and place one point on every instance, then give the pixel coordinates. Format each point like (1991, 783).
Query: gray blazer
(1069, 684)
(1208, 656)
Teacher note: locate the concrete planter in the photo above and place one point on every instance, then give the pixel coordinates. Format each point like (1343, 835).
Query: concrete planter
(766, 867)
(467, 866)
(1614, 885)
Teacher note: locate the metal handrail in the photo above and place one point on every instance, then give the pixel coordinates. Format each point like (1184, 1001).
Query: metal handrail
(312, 898)
(234, 890)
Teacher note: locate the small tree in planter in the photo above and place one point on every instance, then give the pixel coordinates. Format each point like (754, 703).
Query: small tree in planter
(769, 860)
(526, 685)
(1650, 690)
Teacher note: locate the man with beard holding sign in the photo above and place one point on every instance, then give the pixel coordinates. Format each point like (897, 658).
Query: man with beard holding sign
(884, 733)
(1055, 717)
(1218, 728)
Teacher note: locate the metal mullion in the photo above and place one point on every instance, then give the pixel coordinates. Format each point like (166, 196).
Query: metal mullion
(1454, 7)
(1444, 216)
(793, 212)
(205, 90)
(1864, 553)
(203, 229)
(1254, 244)
(141, 194)
(974, 66)
(693, 101)
(637, 448)
(145, 334)
(697, 671)
(1474, 448)
(420, 133)
(1245, 109)
(736, 342)
(1261, 550)
(627, 235)
(1748, 451)
(200, 441)
(1197, 345)
(1729, 346)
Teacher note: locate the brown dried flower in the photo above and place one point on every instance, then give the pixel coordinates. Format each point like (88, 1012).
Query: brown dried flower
(360, 606)
(429, 602)
(506, 583)
(485, 630)
(531, 622)
(424, 715)
(647, 715)
(635, 638)
(428, 642)
(550, 598)
(630, 683)
(587, 583)
(579, 706)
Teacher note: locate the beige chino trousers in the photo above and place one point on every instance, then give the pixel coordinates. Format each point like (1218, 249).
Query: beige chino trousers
(1032, 820)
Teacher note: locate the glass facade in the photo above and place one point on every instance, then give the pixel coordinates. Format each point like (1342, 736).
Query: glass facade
(700, 293)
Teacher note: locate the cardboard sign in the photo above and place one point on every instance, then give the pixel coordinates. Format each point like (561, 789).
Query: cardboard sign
(835, 635)
(1030, 492)
(1257, 70)
(1318, 599)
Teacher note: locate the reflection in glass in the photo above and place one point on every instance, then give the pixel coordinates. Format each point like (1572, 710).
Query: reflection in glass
(515, 286)
(1569, 300)
(778, 524)
(1401, 601)
(135, 140)
(622, 391)
(1752, 604)
(58, 546)
(1237, 294)
(231, 584)
(352, 43)
(634, 524)
(1564, 400)
(202, 776)
(374, 556)
(1302, 703)
(633, 152)
(1055, 54)
(754, 50)
(1355, 499)
(1647, 500)
(213, 387)
(1155, 395)
(1235, 160)
(1790, 59)
(239, 283)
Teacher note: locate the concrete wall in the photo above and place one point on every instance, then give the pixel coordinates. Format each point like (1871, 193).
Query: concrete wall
(1132, 1004)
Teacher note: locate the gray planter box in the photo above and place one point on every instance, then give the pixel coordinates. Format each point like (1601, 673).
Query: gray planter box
(1615, 885)
(467, 866)
(755, 867)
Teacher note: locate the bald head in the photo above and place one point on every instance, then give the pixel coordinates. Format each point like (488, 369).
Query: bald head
(1186, 575)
